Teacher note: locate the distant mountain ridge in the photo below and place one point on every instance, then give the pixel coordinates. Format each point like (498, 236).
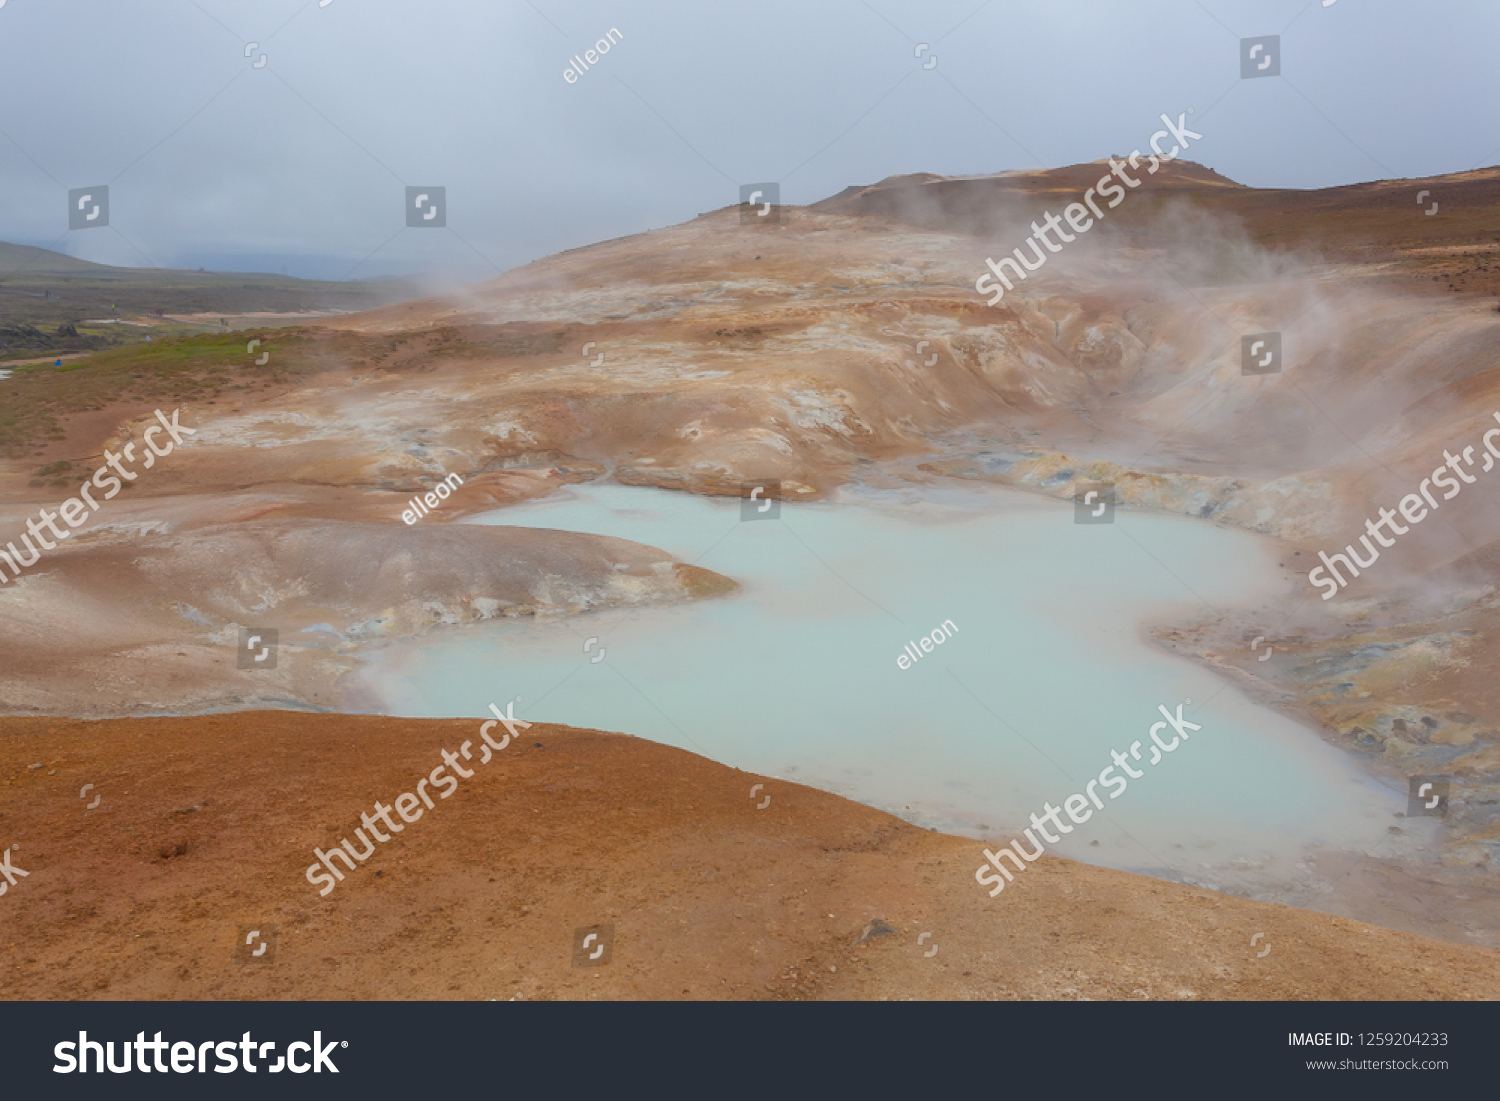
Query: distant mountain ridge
(1377, 214)
(29, 258)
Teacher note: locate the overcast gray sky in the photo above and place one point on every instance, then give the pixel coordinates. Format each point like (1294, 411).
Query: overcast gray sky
(221, 160)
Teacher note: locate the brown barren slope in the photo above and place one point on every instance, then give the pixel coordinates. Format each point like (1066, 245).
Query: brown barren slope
(204, 827)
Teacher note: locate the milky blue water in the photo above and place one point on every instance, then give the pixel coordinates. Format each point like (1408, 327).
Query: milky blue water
(797, 676)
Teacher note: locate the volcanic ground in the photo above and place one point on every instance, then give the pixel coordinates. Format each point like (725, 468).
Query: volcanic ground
(839, 343)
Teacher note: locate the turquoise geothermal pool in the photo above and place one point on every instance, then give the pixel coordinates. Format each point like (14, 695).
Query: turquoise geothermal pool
(1045, 669)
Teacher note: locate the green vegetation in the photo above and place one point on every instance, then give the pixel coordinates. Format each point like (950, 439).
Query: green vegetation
(163, 374)
(167, 373)
(53, 305)
(43, 292)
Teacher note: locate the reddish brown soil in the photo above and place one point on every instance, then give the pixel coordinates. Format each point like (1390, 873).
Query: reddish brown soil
(205, 826)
